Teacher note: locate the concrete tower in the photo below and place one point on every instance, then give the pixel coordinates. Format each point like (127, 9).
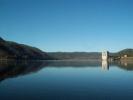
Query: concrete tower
(105, 55)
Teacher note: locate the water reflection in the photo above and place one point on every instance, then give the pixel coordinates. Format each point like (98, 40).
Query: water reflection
(105, 65)
(125, 65)
(9, 69)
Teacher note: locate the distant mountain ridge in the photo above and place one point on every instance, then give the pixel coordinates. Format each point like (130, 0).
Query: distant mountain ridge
(13, 50)
(75, 55)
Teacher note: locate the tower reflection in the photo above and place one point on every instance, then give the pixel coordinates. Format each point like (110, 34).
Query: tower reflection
(105, 65)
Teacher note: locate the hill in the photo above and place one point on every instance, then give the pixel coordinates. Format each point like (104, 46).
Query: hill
(75, 55)
(13, 50)
(128, 52)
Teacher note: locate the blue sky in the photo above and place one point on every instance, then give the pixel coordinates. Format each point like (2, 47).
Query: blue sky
(68, 25)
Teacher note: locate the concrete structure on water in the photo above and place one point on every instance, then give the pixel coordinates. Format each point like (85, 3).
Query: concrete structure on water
(105, 55)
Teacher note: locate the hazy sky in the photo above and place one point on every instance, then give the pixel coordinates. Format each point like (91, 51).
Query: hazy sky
(68, 25)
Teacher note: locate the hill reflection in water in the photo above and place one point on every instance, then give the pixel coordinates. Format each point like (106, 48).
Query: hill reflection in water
(10, 69)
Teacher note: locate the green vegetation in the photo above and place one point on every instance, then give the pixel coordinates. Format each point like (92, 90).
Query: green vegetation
(75, 55)
(128, 52)
(12, 50)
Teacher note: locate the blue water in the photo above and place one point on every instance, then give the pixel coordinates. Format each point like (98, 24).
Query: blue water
(62, 81)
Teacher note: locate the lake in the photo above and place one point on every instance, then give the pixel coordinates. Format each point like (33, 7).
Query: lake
(66, 80)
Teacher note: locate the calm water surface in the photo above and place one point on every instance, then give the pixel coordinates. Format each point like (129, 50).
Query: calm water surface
(66, 80)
